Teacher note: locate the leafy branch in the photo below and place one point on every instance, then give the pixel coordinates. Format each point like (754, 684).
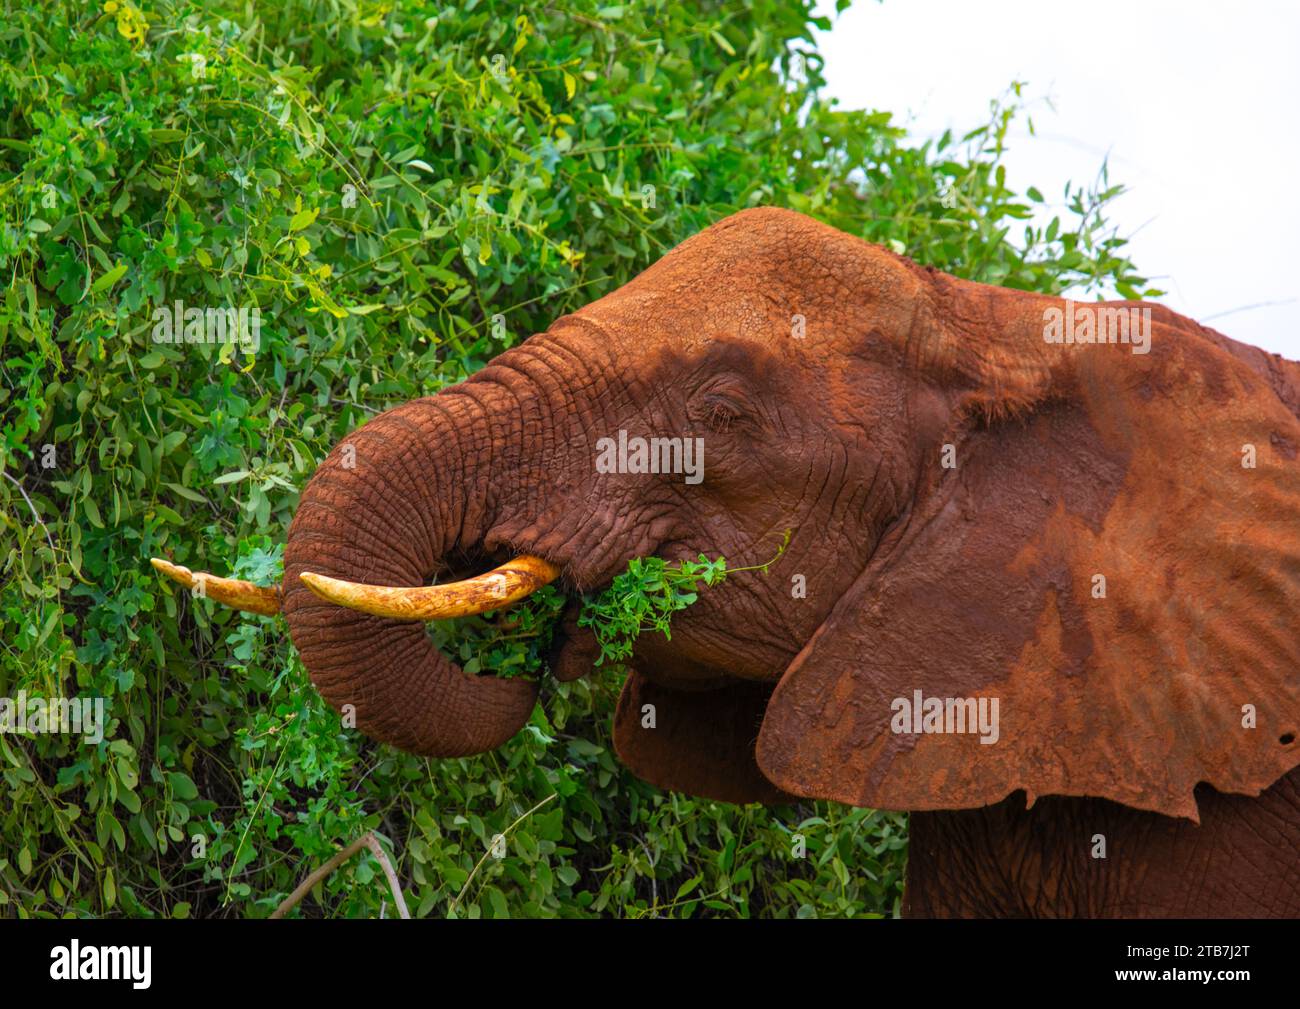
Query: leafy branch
(645, 597)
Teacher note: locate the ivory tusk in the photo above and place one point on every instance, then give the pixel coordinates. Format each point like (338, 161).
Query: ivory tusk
(232, 592)
(500, 587)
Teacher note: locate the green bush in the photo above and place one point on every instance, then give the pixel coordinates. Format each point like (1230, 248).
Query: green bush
(402, 190)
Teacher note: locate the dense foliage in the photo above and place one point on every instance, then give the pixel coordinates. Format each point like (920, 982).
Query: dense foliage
(402, 190)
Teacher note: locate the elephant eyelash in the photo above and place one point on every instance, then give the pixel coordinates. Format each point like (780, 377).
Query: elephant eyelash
(721, 414)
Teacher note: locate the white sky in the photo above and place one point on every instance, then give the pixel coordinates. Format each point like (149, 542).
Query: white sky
(1196, 104)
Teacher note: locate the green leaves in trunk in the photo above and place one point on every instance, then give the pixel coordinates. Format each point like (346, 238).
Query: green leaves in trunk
(644, 598)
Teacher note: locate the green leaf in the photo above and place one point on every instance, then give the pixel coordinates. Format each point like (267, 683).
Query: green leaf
(182, 787)
(108, 279)
(302, 219)
(689, 886)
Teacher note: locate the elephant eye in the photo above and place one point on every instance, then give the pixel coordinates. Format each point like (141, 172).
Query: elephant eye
(721, 412)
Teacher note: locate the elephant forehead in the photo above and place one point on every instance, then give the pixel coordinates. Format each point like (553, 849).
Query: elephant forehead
(766, 275)
(647, 318)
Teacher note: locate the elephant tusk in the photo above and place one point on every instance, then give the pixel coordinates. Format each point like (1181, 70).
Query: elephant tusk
(500, 587)
(232, 592)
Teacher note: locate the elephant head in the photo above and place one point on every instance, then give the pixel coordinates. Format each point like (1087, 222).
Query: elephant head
(1101, 535)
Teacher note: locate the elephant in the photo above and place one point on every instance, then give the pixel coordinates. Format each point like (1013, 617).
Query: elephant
(1040, 588)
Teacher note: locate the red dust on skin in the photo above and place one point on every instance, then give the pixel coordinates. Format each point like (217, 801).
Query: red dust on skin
(965, 581)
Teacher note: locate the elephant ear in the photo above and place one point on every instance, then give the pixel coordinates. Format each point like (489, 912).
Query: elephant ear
(1114, 561)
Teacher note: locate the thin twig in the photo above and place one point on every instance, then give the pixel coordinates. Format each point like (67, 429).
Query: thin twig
(35, 514)
(654, 884)
(348, 402)
(378, 851)
(367, 840)
(304, 888)
(452, 909)
(1247, 308)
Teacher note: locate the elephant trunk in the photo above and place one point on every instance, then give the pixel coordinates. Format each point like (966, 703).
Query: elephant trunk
(387, 507)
